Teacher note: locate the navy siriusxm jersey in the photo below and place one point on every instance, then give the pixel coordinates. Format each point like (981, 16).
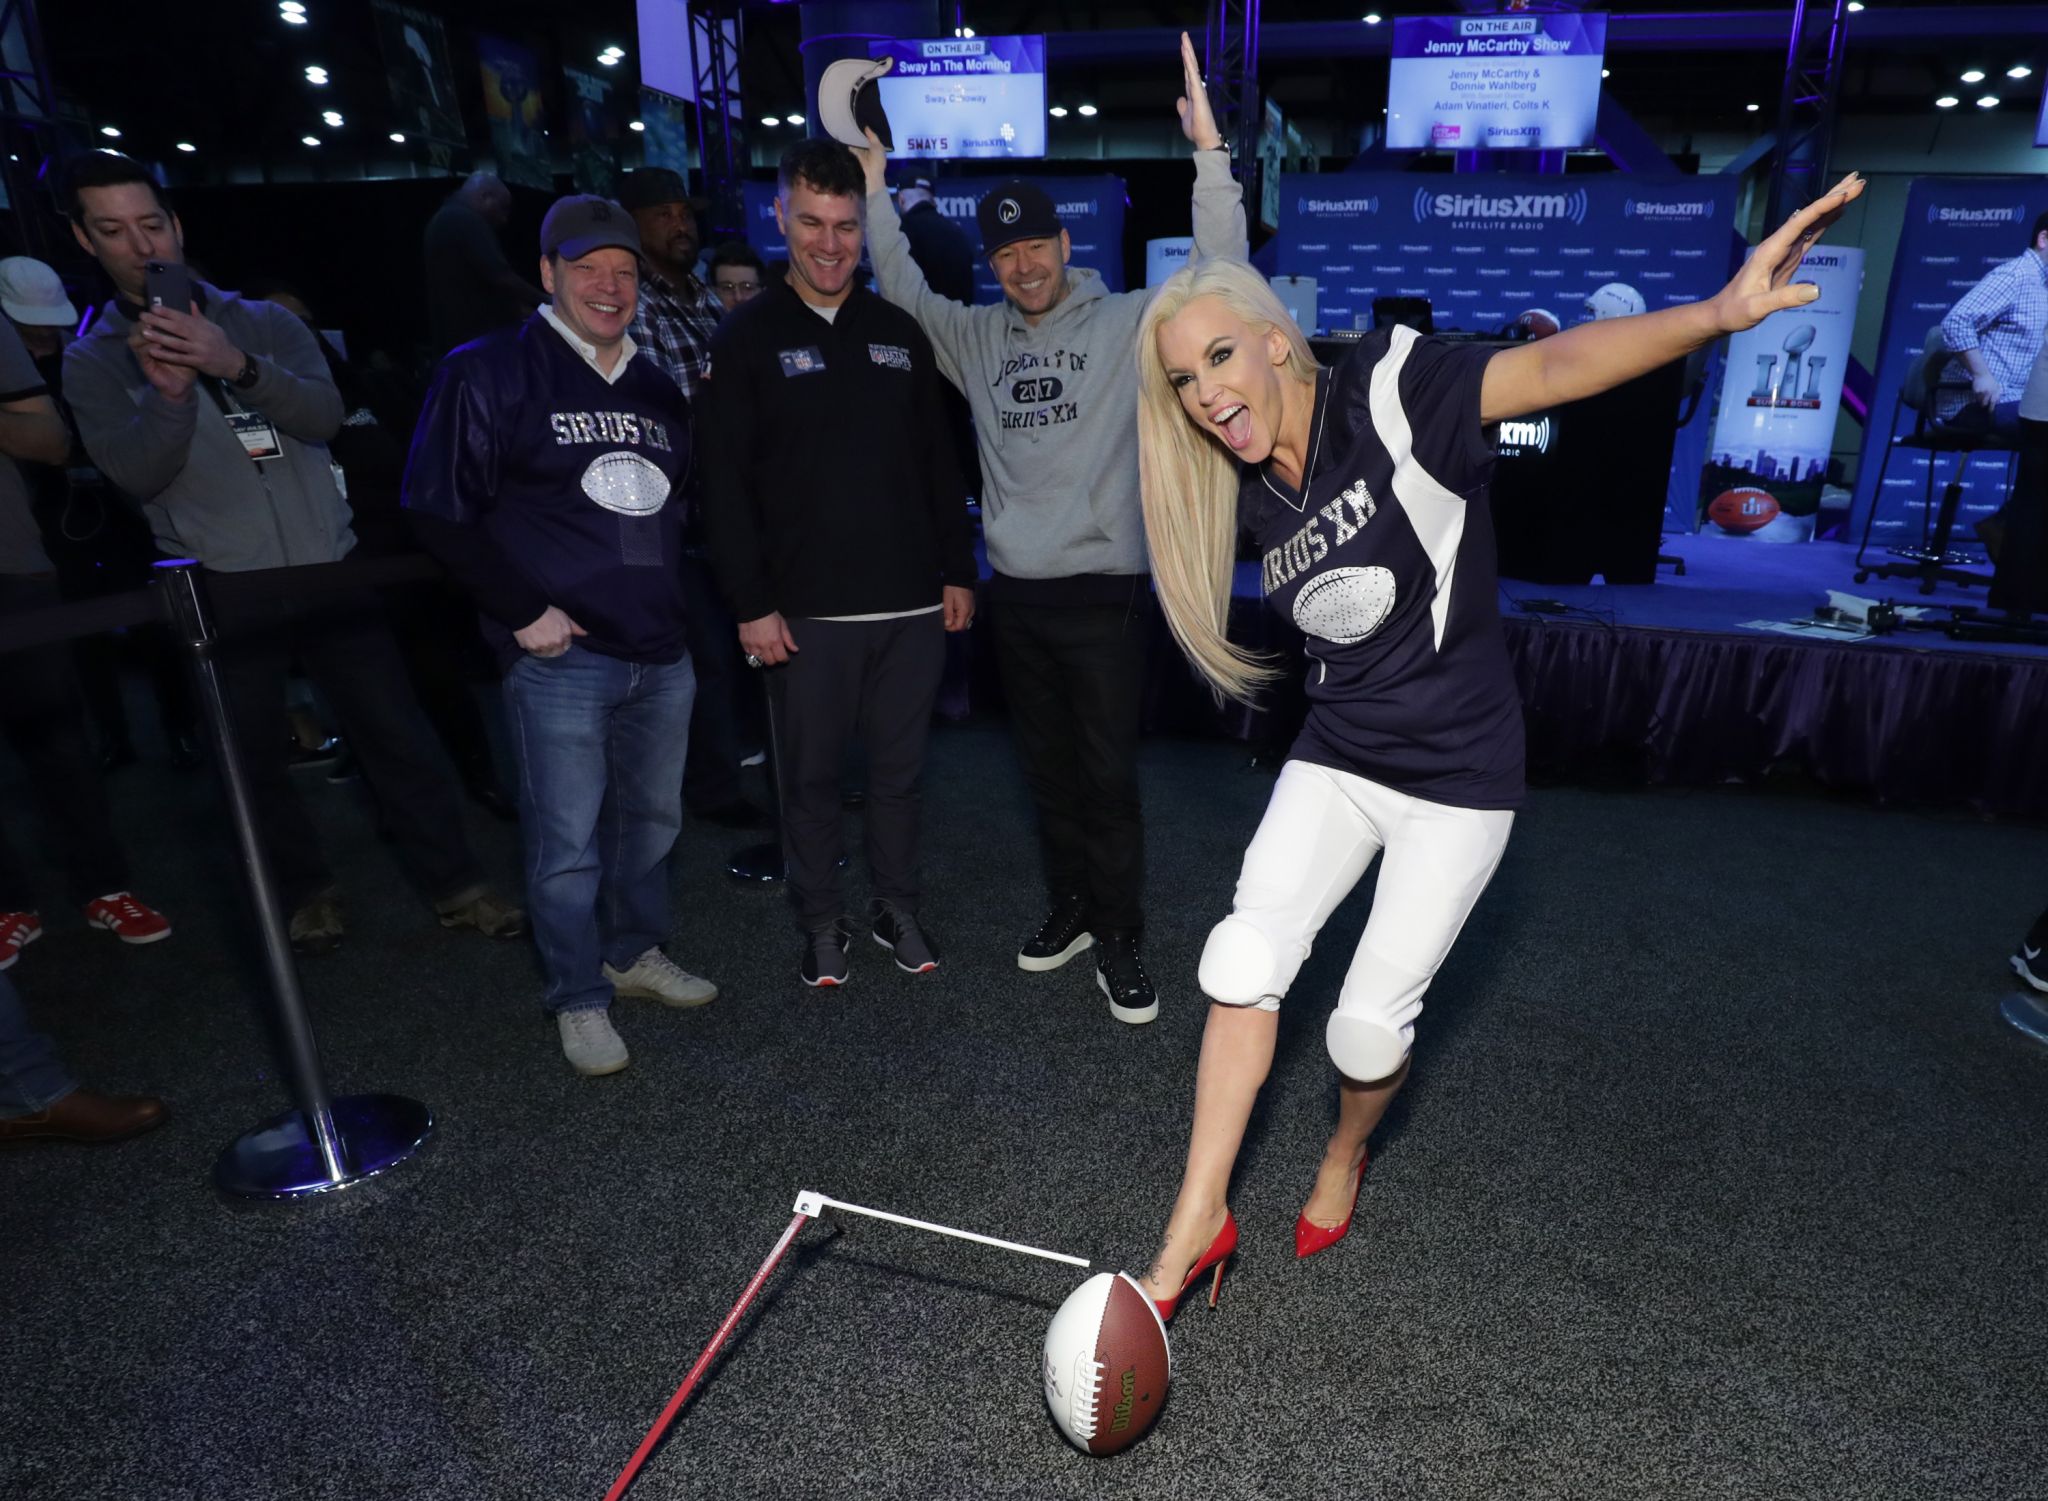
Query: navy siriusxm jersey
(571, 477)
(1386, 564)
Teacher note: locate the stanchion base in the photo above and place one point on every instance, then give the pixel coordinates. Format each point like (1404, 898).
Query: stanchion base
(758, 863)
(2026, 1014)
(279, 1163)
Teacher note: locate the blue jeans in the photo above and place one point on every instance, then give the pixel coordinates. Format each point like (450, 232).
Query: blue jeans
(32, 1079)
(601, 745)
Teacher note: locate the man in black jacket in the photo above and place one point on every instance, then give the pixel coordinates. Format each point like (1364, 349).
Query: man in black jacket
(844, 576)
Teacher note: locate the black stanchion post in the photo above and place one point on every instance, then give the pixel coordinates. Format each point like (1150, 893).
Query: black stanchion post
(762, 863)
(323, 1144)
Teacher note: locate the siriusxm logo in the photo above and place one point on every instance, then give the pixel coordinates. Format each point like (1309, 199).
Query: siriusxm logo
(1520, 437)
(1080, 208)
(1501, 207)
(1975, 217)
(1687, 211)
(1323, 208)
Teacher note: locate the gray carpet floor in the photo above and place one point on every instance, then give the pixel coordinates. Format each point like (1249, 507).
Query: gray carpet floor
(1717, 1177)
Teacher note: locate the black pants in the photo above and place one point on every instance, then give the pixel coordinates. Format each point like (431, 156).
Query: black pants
(878, 679)
(44, 721)
(349, 652)
(1073, 677)
(721, 729)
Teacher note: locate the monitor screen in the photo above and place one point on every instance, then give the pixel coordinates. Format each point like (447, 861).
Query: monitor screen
(1509, 82)
(965, 96)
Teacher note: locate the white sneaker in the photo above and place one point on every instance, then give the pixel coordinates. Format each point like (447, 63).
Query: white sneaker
(589, 1043)
(659, 978)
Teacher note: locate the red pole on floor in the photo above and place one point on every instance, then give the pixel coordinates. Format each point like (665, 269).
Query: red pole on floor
(675, 1403)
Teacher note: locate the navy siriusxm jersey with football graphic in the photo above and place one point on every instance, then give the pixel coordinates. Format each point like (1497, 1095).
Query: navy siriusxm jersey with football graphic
(1386, 564)
(571, 477)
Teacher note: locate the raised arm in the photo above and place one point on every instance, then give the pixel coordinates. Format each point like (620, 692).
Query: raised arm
(897, 277)
(1596, 357)
(1219, 222)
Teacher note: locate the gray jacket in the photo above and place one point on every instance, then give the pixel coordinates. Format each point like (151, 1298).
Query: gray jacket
(204, 496)
(1056, 406)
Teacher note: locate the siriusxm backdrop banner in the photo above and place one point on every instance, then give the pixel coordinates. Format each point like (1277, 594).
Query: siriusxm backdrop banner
(1955, 230)
(1463, 83)
(1485, 249)
(1092, 208)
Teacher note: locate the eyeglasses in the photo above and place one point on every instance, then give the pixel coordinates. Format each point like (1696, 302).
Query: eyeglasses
(738, 288)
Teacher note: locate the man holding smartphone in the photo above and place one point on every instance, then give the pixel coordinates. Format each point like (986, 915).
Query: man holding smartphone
(214, 413)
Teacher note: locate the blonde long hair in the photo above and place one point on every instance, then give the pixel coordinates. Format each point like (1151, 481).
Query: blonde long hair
(1188, 482)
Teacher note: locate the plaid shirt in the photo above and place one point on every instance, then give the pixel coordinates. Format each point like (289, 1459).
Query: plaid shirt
(2003, 318)
(674, 325)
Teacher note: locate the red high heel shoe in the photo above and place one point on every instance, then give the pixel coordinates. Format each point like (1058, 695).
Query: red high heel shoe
(1310, 1237)
(1220, 1250)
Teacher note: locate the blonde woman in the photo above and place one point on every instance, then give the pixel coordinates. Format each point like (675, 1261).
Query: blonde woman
(1365, 487)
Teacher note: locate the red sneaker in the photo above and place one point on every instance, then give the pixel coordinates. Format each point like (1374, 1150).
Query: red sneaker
(126, 918)
(17, 931)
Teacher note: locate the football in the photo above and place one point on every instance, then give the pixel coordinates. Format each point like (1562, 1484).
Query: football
(1106, 1364)
(1345, 604)
(1742, 510)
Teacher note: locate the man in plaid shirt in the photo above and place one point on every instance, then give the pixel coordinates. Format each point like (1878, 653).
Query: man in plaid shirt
(1995, 331)
(677, 317)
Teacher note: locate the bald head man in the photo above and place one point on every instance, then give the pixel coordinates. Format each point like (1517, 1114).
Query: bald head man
(471, 287)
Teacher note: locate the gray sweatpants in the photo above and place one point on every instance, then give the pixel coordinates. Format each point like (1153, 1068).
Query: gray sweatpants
(877, 679)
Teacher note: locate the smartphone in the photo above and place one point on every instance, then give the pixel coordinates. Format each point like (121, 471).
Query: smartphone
(167, 285)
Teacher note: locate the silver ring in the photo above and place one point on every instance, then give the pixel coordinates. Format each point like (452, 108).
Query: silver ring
(752, 660)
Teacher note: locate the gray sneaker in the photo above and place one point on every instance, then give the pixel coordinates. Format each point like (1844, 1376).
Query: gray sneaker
(589, 1043)
(315, 927)
(898, 932)
(824, 961)
(659, 978)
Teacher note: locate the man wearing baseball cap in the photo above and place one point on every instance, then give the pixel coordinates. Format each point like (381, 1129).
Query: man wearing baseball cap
(543, 474)
(1048, 373)
(33, 298)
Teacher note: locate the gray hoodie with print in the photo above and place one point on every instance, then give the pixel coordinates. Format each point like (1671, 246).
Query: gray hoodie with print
(1055, 406)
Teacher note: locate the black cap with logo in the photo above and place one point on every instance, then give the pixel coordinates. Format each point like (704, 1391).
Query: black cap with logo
(1016, 211)
(583, 222)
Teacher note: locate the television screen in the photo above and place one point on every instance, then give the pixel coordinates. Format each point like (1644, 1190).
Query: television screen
(965, 96)
(2041, 125)
(1509, 82)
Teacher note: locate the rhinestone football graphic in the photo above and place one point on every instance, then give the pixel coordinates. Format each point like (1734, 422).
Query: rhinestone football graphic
(1345, 604)
(626, 483)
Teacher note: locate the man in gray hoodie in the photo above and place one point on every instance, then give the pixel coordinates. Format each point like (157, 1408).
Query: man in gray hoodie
(1049, 376)
(215, 417)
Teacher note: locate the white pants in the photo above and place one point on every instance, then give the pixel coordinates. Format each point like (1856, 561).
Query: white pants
(1320, 832)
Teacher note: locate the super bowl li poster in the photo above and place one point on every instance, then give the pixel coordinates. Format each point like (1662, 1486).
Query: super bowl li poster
(1781, 391)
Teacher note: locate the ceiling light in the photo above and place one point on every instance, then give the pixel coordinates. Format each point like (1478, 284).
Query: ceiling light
(1088, 110)
(2019, 70)
(770, 120)
(1947, 101)
(111, 132)
(1751, 108)
(333, 119)
(291, 7)
(310, 140)
(793, 119)
(293, 17)
(1605, 74)
(316, 74)
(636, 125)
(187, 147)
(398, 138)
(1989, 101)
(1371, 18)
(1974, 75)
(1058, 112)
(1855, 6)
